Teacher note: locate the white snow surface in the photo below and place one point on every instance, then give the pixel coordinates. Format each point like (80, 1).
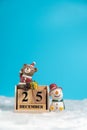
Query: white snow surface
(74, 117)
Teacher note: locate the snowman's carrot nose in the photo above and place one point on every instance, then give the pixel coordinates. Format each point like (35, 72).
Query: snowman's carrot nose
(56, 92)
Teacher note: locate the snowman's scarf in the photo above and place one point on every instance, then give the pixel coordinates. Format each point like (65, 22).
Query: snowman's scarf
(57, 100)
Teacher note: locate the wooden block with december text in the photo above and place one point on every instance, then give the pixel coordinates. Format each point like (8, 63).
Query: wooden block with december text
(32, 100)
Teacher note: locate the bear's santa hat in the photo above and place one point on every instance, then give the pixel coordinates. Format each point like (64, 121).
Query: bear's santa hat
(33, 64)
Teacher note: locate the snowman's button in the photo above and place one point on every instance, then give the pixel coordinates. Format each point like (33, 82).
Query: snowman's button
(51, 108)
(61, 108)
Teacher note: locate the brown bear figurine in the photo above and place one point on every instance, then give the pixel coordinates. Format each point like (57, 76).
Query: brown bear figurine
(26, 74)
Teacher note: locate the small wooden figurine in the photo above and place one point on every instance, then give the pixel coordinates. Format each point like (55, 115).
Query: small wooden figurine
(26, 74)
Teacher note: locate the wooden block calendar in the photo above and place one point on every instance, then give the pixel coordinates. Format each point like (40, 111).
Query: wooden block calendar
(32, 99)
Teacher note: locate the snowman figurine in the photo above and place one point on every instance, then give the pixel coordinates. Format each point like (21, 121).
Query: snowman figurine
(57, 98)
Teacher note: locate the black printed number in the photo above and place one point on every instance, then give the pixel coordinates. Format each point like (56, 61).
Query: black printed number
(25, 99)
(39, 96)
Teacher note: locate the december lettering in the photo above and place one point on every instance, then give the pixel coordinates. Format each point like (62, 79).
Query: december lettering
(31, 106)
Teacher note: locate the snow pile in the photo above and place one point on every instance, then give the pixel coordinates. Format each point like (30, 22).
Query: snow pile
(73, 118)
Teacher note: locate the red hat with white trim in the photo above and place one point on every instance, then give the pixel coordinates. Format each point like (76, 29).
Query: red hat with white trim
(53, 87)
(33, 64)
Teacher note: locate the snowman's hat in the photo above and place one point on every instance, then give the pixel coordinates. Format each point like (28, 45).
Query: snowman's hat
(33, 64)
(53, 87)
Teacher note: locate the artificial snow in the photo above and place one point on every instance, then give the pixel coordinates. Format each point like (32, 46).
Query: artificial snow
(74, 117)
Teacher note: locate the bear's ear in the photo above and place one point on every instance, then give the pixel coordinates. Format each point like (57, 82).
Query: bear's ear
(35, 69)
(25, 65)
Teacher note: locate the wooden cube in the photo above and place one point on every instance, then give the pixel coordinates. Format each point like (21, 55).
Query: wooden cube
(32, 99)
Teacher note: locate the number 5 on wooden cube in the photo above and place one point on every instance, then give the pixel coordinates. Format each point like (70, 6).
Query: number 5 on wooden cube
(32, 99)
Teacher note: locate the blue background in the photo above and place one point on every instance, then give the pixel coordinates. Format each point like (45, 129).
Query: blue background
(51, 32)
